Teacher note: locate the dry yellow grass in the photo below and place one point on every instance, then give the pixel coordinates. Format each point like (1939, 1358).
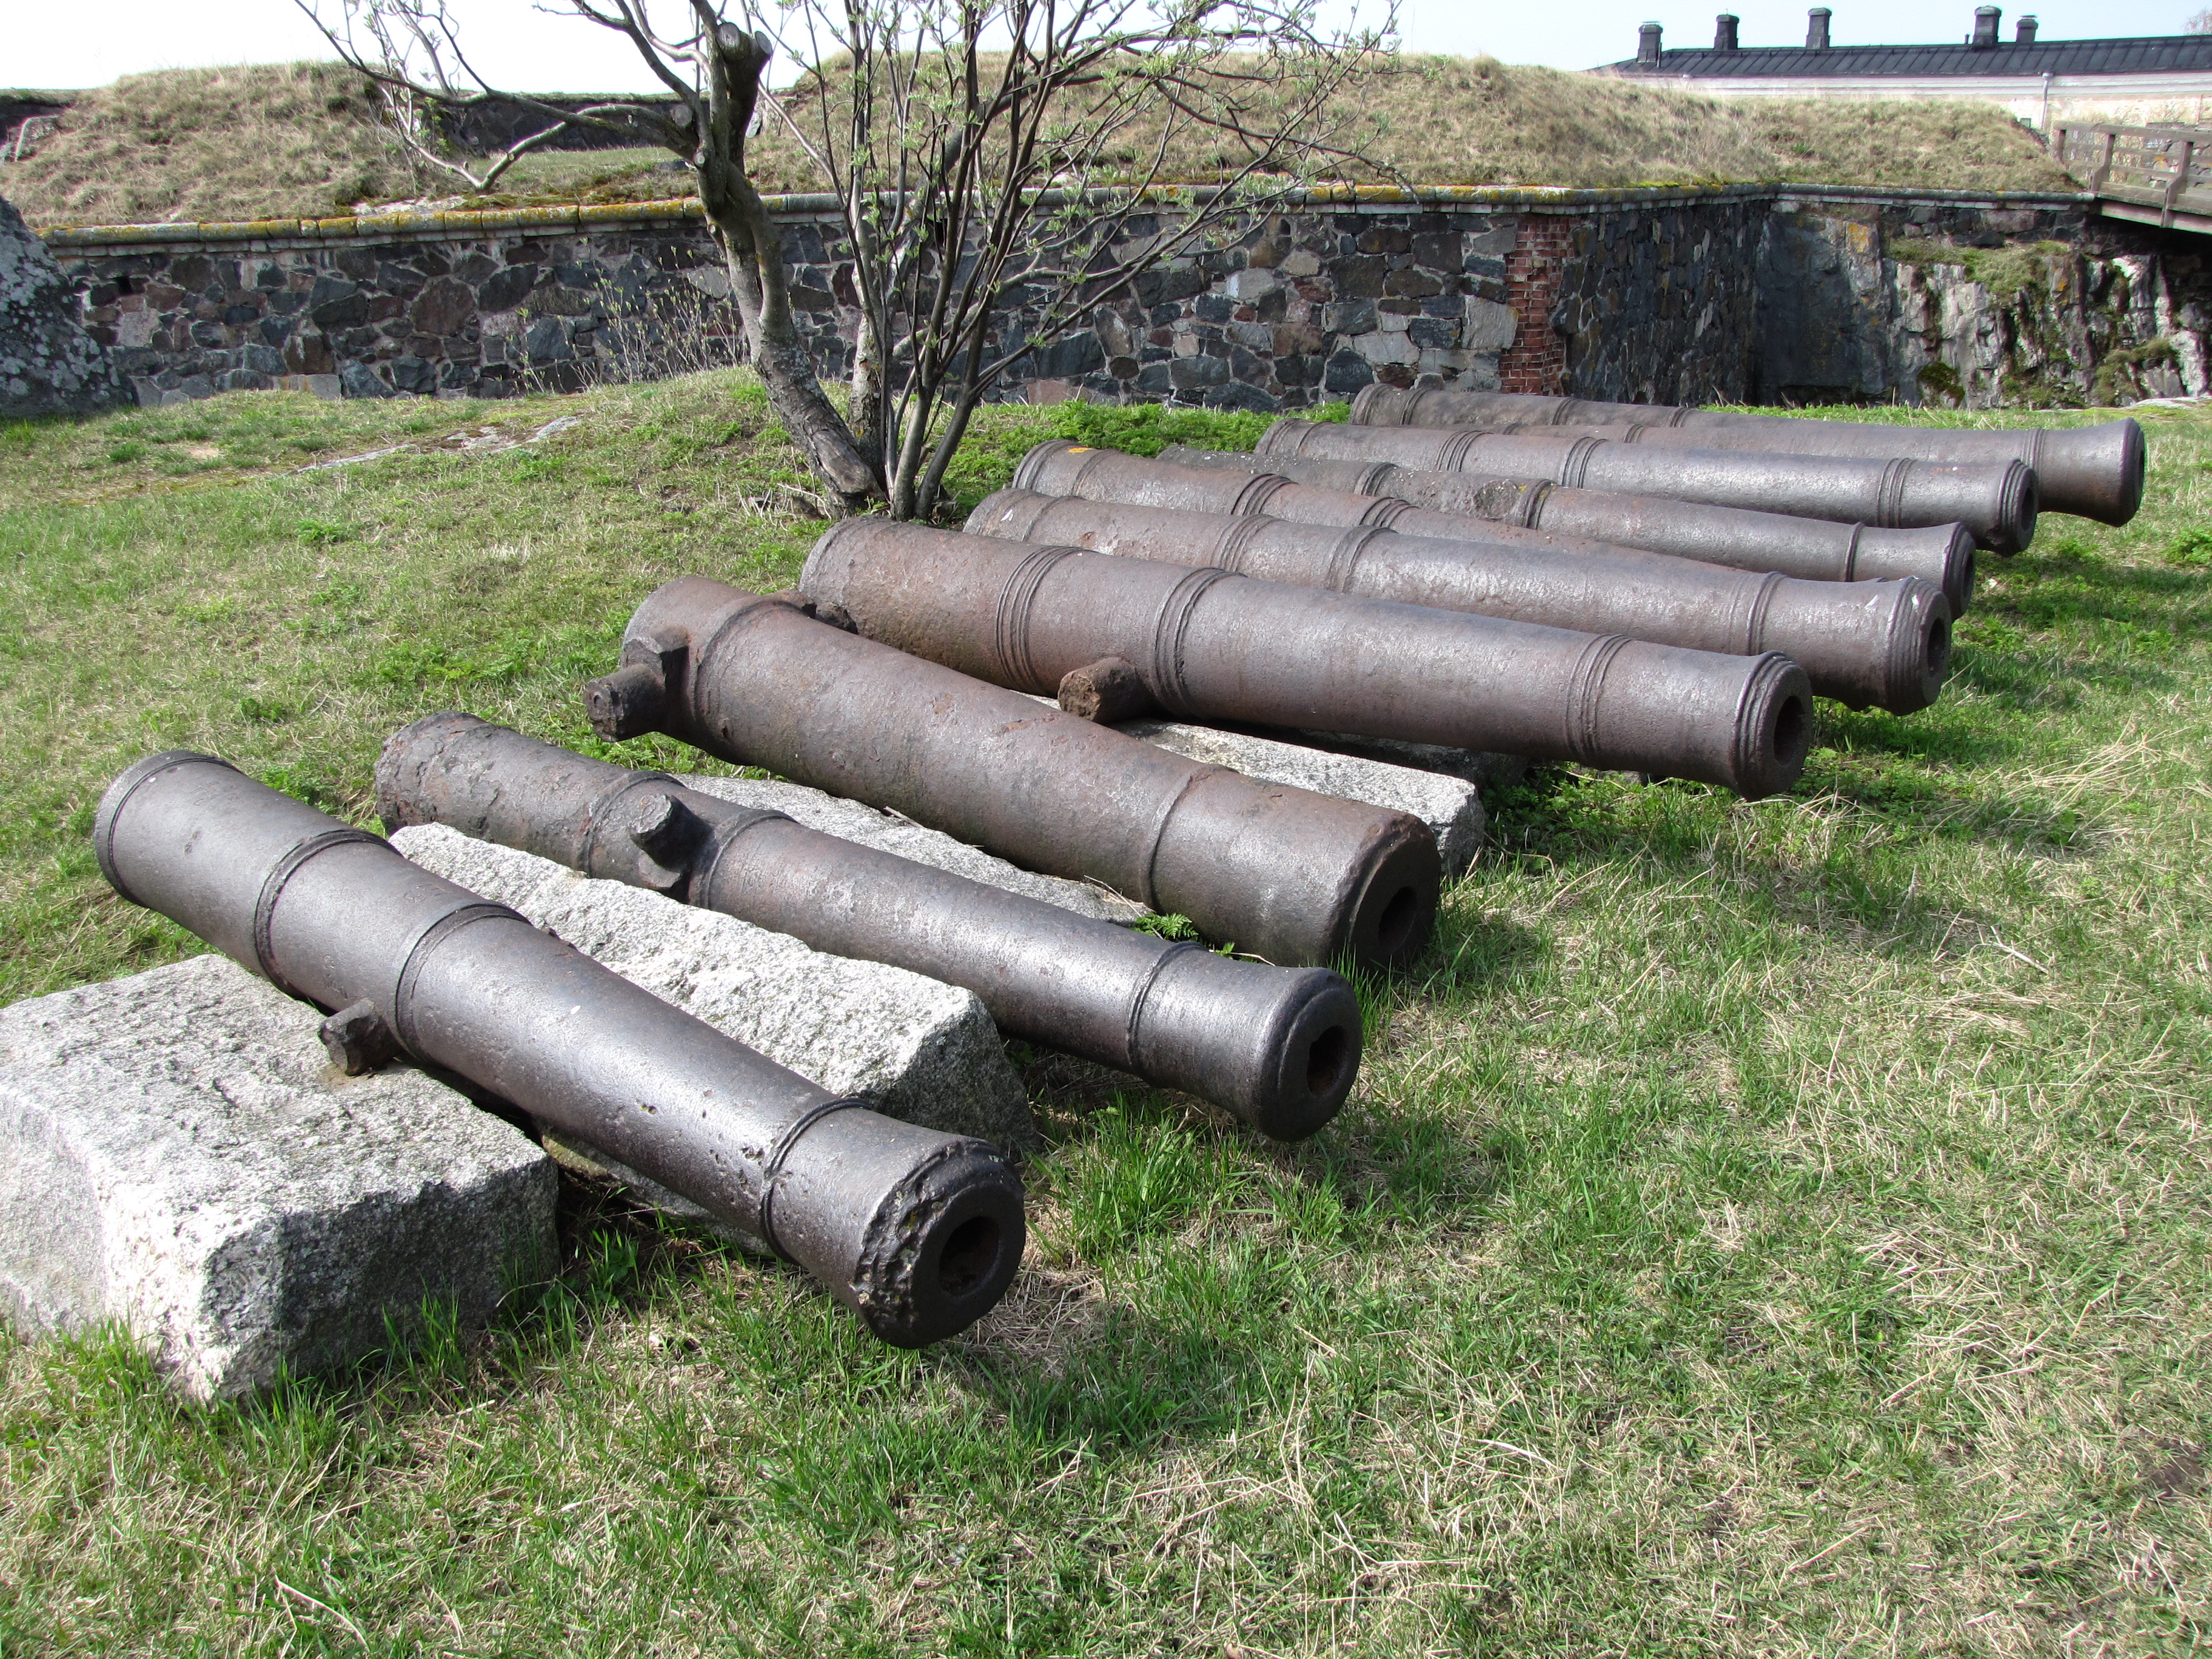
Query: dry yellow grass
(247, 141)
(282, 140)
(1477, 121)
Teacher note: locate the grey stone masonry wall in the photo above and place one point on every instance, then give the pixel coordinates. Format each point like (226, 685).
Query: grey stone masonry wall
(1657, 304)
(483, 316)
(1298, 307)
(1667, 295)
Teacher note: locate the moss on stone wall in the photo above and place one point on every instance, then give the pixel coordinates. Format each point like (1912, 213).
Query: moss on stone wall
(2118, 379)
(2006, 272)
(2041, 324)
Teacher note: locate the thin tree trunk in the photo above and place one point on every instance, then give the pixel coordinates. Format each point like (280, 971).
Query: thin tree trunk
(753, 252)
(870, 393)
(956, 428)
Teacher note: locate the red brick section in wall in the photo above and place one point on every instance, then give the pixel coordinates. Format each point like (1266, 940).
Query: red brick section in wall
(1537, 359)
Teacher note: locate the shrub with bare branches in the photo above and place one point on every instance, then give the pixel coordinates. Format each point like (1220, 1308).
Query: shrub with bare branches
(981, 151)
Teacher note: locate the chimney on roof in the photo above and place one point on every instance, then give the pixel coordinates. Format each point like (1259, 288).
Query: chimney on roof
(2024, 31)
(1985, 28)
(1816, 28)
(1724, 32)
(1647, 46)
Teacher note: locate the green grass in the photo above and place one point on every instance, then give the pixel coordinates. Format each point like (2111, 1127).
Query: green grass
(1770, 1228)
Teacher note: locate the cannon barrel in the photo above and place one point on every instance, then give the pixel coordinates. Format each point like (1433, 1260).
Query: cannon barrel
(1995, 502)
(1277, 1047)
(919, 1231)
(1287, 875)
(2096, 471)
(1210, 645)
(1059, 467)
(1816, 549)
(1887, 644)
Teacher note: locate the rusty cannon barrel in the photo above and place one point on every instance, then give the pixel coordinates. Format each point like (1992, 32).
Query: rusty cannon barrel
(1814, 549)
(1206, 644)
(1996, 503)
(1059, 467)
(1887, 644)
(2096, 471)
(1277, 1047)
(1502, 510)
(1287, 875)
(917, 1230)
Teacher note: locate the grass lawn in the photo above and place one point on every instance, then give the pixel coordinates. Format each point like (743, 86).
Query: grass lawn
(1774, 1228)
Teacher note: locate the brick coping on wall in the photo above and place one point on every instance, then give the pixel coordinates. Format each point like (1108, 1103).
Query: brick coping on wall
(272, 234)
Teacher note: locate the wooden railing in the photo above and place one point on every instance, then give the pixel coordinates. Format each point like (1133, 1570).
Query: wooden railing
(2169, 168)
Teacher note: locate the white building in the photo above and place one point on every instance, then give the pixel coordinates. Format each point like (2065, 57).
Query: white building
(2161, 78)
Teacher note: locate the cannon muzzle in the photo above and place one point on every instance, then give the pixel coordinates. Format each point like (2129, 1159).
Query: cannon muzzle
(1291, 876)
(1213, 646)
(1815, 550)
(2096, 471)
(1995, 501)
(1277, 1047)
(919, 1231)
(1887, 644)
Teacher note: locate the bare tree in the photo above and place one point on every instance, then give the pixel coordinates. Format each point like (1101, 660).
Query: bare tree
(990, 158)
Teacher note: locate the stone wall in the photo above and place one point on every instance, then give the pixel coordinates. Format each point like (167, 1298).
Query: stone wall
(1298, 307)
(1975, 305)
(1732, 293)
(1657, 300)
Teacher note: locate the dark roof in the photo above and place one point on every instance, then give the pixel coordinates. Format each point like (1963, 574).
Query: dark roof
(2149, 54)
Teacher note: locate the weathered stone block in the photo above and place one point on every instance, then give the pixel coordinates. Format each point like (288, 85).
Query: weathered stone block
(1252, 284)
(507, 289)
(1349, 317)
(1381, 347)
(921, 1050)
(1440, 250)
(1347, 372)
(1490, 327)
(1239, 396)
(1188, 373)
(1473, 766)
(178, 1154)
(1359, 277)
(1449, 805)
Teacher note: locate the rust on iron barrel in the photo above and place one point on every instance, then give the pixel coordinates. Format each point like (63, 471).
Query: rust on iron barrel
(1295, 877)
(1884, 644)
(1997, 503)
(1277, 1047)
(1210, 645)
(2096, 471)
(917, 1230)
(1419, 503)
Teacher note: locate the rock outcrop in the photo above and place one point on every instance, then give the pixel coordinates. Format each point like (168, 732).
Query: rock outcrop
(48, 364)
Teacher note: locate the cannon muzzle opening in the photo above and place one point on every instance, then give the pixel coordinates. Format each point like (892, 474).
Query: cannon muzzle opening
(917, 1230)
(1277, 1047)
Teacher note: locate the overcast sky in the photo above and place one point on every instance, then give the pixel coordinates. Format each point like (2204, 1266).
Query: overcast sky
(48, 44)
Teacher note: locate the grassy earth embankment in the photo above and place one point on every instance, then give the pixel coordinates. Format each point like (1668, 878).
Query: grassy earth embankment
(297, 140)
(1773, 1227)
